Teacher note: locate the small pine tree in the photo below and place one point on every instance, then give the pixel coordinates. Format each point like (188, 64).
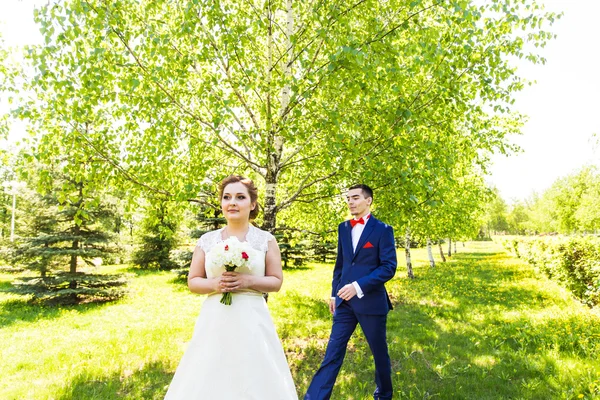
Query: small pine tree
(323, 251)
(294, 253)
(158, 237)
(208, 219)
(67, 233)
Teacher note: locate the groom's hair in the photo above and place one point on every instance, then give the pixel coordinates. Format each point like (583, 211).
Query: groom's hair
(252, 191)
(366, 191)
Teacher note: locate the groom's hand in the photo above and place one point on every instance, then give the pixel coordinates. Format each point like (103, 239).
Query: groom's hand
(347, 292)
(332, 305)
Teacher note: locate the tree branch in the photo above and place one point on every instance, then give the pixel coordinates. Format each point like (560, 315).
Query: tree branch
(284, 162)
(225, 68)
(410, 16)
(108, 159)
(158, 84)
(303, 186)
(332, 21)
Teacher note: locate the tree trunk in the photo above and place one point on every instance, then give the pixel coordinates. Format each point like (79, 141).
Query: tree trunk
(12, 218)
(273, 167)
(442, 252)
(430, 254)
(131, 231)
(73, 263)
(44, 264)
(74, 247)
(407, 253)
(270, 217)
(455, 247)
(449, 247)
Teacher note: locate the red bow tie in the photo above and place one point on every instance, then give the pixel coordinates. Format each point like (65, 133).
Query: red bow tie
(357, 221)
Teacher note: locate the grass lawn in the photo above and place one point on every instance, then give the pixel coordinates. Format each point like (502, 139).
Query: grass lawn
(481, 326)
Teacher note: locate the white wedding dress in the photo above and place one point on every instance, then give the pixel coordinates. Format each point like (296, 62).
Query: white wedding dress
(235, 353)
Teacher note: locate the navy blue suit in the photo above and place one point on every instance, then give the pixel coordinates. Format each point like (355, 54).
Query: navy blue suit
(371, 265)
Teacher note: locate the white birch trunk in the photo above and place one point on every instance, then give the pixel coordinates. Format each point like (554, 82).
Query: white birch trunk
(430, 254)
(407, 253)
(287, 71)
(449, 247)
(273, 166)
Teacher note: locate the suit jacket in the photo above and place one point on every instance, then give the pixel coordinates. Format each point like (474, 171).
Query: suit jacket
(373, 264)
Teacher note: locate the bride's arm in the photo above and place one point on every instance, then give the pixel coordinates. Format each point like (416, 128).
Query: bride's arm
(197, 280)
(271, 282)
(273, 278)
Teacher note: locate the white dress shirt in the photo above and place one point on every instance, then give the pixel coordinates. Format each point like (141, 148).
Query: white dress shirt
(356, 232)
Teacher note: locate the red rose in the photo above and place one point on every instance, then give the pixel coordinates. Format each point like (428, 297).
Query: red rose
(244, 255)
(226, 247)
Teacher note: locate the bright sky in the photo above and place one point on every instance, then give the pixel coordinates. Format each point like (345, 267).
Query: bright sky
(563, 106)
(17, 29)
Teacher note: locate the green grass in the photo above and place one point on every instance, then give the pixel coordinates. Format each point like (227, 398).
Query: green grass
(481, 326)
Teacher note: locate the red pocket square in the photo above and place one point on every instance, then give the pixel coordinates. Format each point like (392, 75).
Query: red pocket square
(368, 245)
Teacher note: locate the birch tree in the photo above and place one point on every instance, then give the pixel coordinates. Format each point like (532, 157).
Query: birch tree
(304, 97)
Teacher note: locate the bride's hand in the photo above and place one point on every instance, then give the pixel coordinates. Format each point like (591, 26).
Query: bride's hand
(234, 281)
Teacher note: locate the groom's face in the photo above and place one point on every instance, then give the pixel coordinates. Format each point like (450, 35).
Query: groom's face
(358, 204)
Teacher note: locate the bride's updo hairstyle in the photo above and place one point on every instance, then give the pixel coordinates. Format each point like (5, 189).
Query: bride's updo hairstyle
(252, 191)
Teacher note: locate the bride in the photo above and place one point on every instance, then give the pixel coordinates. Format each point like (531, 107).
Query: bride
(235, 352)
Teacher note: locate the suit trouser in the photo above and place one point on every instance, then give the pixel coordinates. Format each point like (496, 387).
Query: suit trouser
(344, 324)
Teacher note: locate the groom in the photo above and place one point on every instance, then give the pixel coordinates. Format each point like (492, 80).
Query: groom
(366, 259)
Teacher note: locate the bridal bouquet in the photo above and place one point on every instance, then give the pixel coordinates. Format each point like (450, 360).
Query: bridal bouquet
(231, 254)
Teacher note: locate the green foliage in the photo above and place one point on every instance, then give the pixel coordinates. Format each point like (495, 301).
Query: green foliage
(496, 210)
(593, 290)
(562, 200)
(5, 202)
(572, 261)
(294, 250)
(299, 248)
(570, 206)
(517, 218)
(59, 234)
(291, 255)
(10, 268)
(69, 288)
(415, 243)
(207, 218)
(168, 98)
(323, 251)
(158, 237)
(181, 257)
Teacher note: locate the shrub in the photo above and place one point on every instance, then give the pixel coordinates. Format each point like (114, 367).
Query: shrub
(181, 257)
(574, 262)
(158, 238)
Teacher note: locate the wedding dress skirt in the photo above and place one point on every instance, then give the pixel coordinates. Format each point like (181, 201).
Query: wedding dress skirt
(234, 353)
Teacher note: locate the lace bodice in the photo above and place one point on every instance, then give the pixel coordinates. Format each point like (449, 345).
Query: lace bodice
(256, 238)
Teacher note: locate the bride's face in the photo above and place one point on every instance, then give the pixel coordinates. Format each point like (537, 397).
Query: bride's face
(236, 203)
